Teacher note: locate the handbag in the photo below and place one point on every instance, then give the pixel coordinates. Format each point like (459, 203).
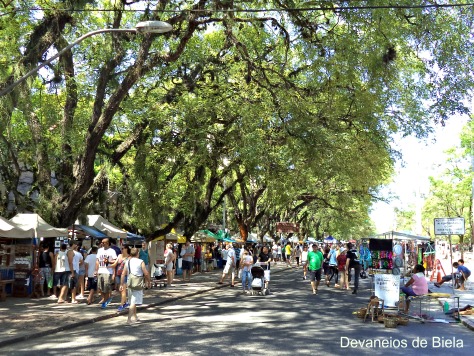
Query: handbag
(50, 282)
(135, 282)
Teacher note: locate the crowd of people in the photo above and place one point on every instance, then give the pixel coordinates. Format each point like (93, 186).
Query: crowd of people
(106, 269)
(103, 269)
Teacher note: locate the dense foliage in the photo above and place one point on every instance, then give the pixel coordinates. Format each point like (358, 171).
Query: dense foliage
(285, 113)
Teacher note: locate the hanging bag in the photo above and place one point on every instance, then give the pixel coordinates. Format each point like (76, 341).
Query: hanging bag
(135, 282)
(50, 282)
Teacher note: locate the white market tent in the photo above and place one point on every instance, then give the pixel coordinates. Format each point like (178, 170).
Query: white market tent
(11, 230)
(395, 235)
(40, 227)
(102, 224)
(253, 238)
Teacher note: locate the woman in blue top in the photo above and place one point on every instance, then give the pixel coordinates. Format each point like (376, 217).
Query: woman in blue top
(334, 272)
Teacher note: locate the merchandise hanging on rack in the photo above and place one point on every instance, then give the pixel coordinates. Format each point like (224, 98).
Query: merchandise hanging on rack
(397, 259)
(382, 255)
(365, 256)
(429, 253)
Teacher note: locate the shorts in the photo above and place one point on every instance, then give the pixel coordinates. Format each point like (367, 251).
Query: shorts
(71, 281)
(104, 282)
(118, 280)
(275, 255)
(45, 274)
(198, 261)
(304, 263)
(91, 283)
(82, 272)
(315, 275)
(135, 297)
(169, 267)
(59, 279)
(187, 265)
(229, 268)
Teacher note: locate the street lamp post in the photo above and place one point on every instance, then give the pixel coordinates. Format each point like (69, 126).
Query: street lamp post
(141, 27)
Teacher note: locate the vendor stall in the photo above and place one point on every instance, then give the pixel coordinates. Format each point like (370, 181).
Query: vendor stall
(411, 247)
(26, 250)
(11, 236)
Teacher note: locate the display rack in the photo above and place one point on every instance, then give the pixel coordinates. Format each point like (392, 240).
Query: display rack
(382, 255)
(23, 263)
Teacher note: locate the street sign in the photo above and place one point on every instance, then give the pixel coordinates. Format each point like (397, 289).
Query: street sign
(287, 227)
(449, 226)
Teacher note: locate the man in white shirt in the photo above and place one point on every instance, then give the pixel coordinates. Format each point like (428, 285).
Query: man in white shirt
(229, 266)
(90, 262)
(106, 256)
(76, 261)
(70, 275)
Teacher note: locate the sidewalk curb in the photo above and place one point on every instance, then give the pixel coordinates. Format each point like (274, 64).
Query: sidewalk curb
(18, 339)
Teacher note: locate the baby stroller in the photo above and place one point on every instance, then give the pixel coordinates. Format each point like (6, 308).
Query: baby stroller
(159, 275)
(260, 279)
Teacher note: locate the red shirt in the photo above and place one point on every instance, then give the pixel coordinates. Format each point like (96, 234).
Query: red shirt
(341, 262)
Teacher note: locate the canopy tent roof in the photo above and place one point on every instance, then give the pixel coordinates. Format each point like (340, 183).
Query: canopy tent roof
(102, 224)
(252, 238)
(312, 240)
(202, 237)
(294, 239)
(172, 236)
(401, 236)
(41, 228)
(219, 235)
(84, 231)
(268, 238)
(134, 237)
(330, 239)
(10, 229)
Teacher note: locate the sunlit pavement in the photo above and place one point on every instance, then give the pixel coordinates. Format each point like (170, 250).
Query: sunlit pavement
(183, 318)
(24, 318)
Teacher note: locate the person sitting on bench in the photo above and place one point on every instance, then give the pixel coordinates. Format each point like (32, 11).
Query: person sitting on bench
(416, 286)
(462, 274)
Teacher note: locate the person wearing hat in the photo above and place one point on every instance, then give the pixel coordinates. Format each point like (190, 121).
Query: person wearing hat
(315, 262)
(341, 266)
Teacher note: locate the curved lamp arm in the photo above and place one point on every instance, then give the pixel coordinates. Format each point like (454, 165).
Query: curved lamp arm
(141, 27)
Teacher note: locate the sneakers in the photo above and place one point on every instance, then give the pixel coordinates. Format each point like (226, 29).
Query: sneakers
(123, 307)
(354, 291)
(336, 286)
(52, 297)
(107, 302)
(80, 296)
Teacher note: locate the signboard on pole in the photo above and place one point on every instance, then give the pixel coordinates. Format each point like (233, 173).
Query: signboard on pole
(287, 227)
(449, 226)
(387, 287)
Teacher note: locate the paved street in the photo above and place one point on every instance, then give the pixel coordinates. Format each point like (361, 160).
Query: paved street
(224, 321)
